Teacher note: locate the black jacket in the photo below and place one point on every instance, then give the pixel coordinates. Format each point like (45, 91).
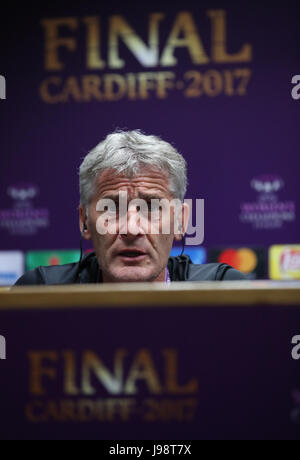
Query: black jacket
(181, 268)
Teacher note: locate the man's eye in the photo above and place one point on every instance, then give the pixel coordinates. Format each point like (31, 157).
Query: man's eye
(109, 208)
(154, 207)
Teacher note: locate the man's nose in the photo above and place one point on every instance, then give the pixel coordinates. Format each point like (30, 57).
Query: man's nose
(132, 225)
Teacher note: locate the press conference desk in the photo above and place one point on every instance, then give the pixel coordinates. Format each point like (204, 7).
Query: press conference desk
(150, 361)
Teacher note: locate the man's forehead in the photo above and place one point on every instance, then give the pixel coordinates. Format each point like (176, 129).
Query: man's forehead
(148, 180)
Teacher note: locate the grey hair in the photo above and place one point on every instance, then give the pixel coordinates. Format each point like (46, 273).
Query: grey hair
(126, 152)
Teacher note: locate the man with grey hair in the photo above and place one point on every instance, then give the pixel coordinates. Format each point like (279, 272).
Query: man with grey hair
(132, 186)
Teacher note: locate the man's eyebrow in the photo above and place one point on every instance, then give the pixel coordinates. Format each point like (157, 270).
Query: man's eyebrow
(151, 196)
(110, 197)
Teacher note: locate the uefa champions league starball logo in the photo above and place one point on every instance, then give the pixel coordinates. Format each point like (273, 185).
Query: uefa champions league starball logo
(23, 192)
(267, 184)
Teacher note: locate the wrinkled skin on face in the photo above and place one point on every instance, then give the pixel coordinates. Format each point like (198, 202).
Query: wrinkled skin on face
(135, 255)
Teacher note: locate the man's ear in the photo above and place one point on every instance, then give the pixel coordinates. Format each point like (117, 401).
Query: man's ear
(183, 220)
(83, 223)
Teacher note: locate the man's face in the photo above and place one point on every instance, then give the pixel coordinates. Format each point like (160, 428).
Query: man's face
(138, 254)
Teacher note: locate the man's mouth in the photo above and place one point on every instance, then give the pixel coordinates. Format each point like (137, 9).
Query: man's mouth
(132, 255)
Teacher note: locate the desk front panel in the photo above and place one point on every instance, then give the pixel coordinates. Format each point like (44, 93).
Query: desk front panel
(150, 373)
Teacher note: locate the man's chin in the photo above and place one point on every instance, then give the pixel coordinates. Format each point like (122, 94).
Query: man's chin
(133, 275)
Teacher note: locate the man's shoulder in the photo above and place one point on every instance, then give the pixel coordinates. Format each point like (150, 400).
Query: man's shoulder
(58, 274)
(83, 272)
(214, 272)
(181, 268)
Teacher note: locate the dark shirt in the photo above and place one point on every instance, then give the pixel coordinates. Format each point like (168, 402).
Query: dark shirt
(87, 271)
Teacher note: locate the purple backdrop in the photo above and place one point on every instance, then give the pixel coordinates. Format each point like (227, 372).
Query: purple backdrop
(246, 130)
